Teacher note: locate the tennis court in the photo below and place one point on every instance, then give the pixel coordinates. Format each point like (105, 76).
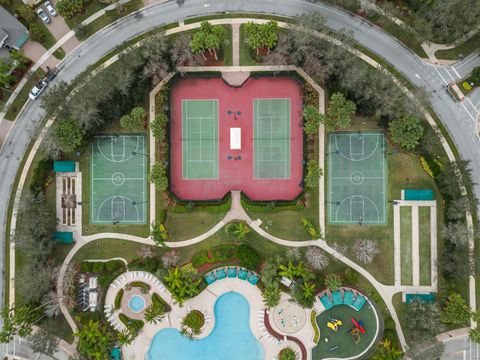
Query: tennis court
(271, 138)
(200, 139)
(118, 179)
(357, 178)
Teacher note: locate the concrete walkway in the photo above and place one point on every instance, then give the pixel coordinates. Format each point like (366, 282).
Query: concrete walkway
(236, 44)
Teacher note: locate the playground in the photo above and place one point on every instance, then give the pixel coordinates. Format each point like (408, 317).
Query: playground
(345, 332)
(118, 179)
(357, 169)
(246, 138)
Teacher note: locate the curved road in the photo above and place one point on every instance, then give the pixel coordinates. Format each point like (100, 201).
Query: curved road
(458, 118)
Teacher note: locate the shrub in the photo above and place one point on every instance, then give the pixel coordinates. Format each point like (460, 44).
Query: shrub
(151, 264)
(426, 166)
(466, 86)
(288, 354)
(98, 267)
(135, 121)
(118, 299)
(192, 324)
(200, 258)
(389, 324)
(158, 176)
(310, 229)
(313, 174)
(132, 325)
(86, 266)
(139, 284)
(351, 276)
(248, 256)
(113, 265)
(37, 33)
(68, 8)
(406, 132)
(40, 174)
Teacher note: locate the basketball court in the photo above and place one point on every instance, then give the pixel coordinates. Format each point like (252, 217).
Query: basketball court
(118, 179)
(357, 178)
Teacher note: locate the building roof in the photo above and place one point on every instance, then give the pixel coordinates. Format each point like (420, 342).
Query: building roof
(17, 33)
(64, 166)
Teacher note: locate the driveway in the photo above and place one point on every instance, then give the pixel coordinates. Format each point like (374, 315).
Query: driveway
(34, 51)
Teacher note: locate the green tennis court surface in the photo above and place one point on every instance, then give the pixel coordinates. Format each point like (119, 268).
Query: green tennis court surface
(118, 179)
(357, 178)
(200, 139)
(271, 135)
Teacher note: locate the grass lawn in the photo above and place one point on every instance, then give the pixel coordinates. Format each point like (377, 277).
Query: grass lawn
(109, 17)
(59, 327)
(466, 48)
(425, 257)
(91, 7)
(22, 96)
(227, 48)
(246, 54)
(406, 245)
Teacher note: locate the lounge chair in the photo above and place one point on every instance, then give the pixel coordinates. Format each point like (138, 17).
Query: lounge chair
(221, 274)
(210, 278)
(359, 302)
(253, 278)
(325, 300)
(232, 272)
(348, 297)
(242, 274)
(113, 286)
(337, 297)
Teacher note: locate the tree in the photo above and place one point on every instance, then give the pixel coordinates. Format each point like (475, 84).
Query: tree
(292, 271)
(54, 98)
(271, 296)
(125, 337)
(209, 38)
(26, 13)
(312, 120)
(475, 76)
(68, 8)
(333, 282)
(313, 174)
(365, 250)
(159, 233)
(406, 132)
(339, 112)
(170, 258)
(269, 274)
(239, 229)
(154, 313)
(457, 208)
(33, 281)
(135, 121)
(247, 256)
(317, 259)
(293, 254)
(310, 229)
(180, 53)
(93, 340)
(43, 342)
(18, 321)
(158, 124)
(69, 135)
(158, 176)
(455, 310)
(37, 33)
(259, 36)
(474, 335)
(19, 60)
(456, 233)
(6, 77)
(51, 304)
(423, 319)
(183, 283)
(304, 294)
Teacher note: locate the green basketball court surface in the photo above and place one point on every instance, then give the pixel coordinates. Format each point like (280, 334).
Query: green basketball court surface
(271, 133)
(118, 179)
(357, 170)
(200, 139)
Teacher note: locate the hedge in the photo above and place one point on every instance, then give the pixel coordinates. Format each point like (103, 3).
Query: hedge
(98, 267)
(248, 256)
(118, 299)
(133, 325)
(139, 284)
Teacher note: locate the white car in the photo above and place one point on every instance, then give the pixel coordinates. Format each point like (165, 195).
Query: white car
(38, 89)
(50, 8)
(43, 15)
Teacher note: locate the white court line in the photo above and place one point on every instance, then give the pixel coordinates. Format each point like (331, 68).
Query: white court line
(111, 178)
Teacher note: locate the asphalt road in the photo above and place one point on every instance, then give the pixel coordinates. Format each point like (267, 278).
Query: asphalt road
(458, 118)
(461, 349)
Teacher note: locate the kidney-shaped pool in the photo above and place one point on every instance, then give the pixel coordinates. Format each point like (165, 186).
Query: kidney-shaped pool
(230, 339)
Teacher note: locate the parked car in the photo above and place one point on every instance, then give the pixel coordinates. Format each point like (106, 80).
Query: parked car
(50, 8)
(43, 15)
(38, 89)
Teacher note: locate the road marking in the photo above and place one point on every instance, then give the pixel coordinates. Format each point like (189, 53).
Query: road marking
(456, 72)
(418, 76)
(438, 72)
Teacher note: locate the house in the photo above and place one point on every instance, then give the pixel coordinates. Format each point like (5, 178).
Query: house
(13, 35)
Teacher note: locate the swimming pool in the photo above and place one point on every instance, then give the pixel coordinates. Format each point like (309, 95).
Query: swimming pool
(230, 339)
(136, 303)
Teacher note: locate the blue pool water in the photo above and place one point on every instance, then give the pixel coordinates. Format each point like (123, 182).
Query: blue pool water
(136, 303)
(231, 339)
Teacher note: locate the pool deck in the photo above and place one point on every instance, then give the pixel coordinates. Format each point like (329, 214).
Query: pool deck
(205, 303)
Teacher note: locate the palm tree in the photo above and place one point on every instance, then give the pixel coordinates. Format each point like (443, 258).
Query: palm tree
(387, 351)
(125, 337)
(308, 290)
(288, 271)
(154, 313)
(239, 229)
(271, 297)
(333, 282)
(159, 233)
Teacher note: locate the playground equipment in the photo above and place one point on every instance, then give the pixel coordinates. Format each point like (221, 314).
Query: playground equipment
(355, 335)
(334, 324)
(358, 325)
